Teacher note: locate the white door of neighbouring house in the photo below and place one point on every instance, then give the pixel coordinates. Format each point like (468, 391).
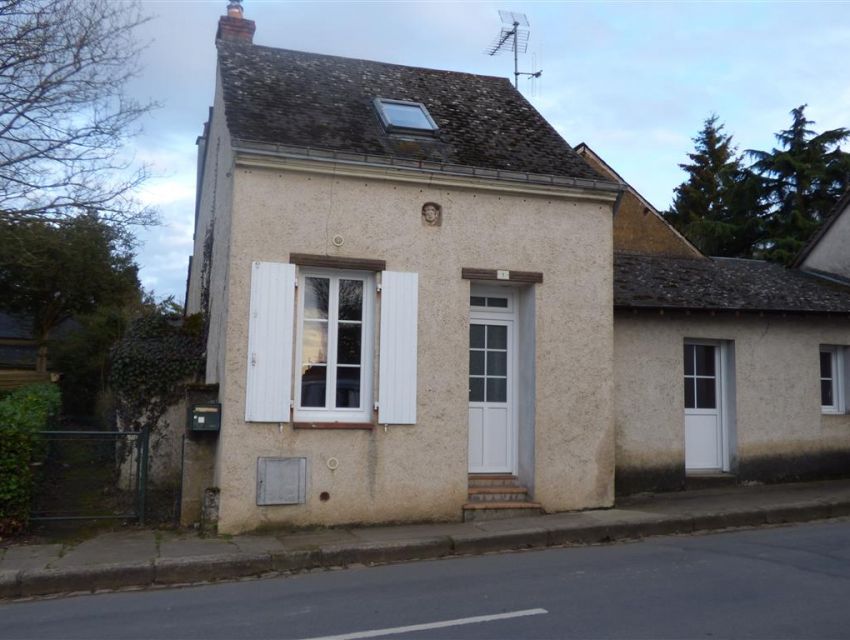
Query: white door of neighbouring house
(492, 421)
(705, 436)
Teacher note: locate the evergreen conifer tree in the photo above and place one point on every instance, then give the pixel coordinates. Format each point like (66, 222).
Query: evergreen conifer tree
(800, 183)
(716, 207)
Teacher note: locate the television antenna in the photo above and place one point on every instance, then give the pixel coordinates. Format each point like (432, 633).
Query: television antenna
(514, 39)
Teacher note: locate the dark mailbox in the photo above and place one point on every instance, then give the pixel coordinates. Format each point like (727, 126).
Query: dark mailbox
(205, 417)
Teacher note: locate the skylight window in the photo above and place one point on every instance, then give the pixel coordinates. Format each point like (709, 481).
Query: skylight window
(399, 116)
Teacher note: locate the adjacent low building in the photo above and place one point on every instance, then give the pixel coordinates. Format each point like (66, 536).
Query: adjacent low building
(726, 366)
(726, 370)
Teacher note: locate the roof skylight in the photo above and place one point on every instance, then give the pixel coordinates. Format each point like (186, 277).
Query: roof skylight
(401, 116)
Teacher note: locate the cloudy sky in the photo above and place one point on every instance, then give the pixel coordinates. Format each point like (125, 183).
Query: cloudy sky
(634, 80)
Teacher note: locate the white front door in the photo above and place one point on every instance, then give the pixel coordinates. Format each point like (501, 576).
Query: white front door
(492, 425)
(704, 433)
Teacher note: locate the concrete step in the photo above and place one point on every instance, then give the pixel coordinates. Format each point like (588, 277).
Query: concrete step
(498, 494)
(500, 510)
(492, 480)
(710, 480)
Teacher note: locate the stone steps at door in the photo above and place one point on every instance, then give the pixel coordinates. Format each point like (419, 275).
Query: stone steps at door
(492, 480)
(498, 494)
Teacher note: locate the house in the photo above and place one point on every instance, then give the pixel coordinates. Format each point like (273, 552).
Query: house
(725, 370)
(21, 360)
(408, 279)
(826, 253)
(18, 353)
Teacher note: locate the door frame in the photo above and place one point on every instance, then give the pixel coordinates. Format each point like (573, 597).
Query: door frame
(722, 379)
(506, 317)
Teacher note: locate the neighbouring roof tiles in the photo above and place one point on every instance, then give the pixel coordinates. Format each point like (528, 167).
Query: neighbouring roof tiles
(729, 284)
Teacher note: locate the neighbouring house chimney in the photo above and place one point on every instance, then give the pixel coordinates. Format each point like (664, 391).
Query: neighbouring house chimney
(233, 27)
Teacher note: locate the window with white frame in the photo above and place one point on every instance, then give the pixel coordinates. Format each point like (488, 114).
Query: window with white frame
(334, 346)
(832, 379)
(333, 318)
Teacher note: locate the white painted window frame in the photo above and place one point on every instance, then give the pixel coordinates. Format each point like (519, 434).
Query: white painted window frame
(837, 357)
(367, 349)
(487, 291)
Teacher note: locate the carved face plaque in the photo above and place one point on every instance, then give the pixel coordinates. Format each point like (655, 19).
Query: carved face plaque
(432, 214)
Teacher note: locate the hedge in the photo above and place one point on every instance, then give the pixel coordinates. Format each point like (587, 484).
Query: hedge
(22, 414)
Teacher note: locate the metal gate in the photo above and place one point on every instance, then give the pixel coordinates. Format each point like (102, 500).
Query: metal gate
(90, 475)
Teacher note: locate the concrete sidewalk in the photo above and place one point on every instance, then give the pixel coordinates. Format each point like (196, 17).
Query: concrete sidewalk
(141, 558)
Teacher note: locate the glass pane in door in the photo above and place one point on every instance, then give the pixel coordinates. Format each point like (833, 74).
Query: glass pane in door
(488, 363)
(700, 382)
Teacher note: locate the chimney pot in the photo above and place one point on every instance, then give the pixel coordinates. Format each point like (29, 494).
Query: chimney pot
(234, 27)
(234, 9)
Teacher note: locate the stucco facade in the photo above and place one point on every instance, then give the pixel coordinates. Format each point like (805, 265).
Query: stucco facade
(778, 430)
(208, 276)
(829, 253)
(419, 472)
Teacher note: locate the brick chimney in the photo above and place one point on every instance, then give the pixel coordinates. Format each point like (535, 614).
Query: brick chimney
(233, 27)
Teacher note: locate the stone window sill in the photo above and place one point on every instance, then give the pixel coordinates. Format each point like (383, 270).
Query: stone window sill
(349, 426)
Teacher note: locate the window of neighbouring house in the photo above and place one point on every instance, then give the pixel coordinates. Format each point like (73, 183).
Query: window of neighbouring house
(334, 346)
(401, 116)
(832, 378)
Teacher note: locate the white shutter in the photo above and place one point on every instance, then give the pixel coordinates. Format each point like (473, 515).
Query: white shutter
(397, 373)
(267, 395)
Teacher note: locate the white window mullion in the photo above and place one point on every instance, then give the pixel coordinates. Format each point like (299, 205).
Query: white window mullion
(299, 339)
(333, 336)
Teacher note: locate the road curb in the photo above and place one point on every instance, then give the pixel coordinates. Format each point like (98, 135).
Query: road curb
(385, 552)
(10, 585)
(42, 582)
(479, 542)
(221, 567)
(171, 571)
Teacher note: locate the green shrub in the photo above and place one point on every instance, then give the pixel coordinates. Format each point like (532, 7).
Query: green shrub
(22, 414)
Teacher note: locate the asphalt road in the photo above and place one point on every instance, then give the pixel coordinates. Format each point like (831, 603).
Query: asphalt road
(791, 582)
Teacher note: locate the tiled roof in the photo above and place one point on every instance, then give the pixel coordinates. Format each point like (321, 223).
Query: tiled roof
(722, 284)
(299, 99)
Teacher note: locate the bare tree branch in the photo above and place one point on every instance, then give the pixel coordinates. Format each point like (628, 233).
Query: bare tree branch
(65, 115)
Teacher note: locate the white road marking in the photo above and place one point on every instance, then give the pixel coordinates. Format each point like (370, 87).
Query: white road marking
(375, 633)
